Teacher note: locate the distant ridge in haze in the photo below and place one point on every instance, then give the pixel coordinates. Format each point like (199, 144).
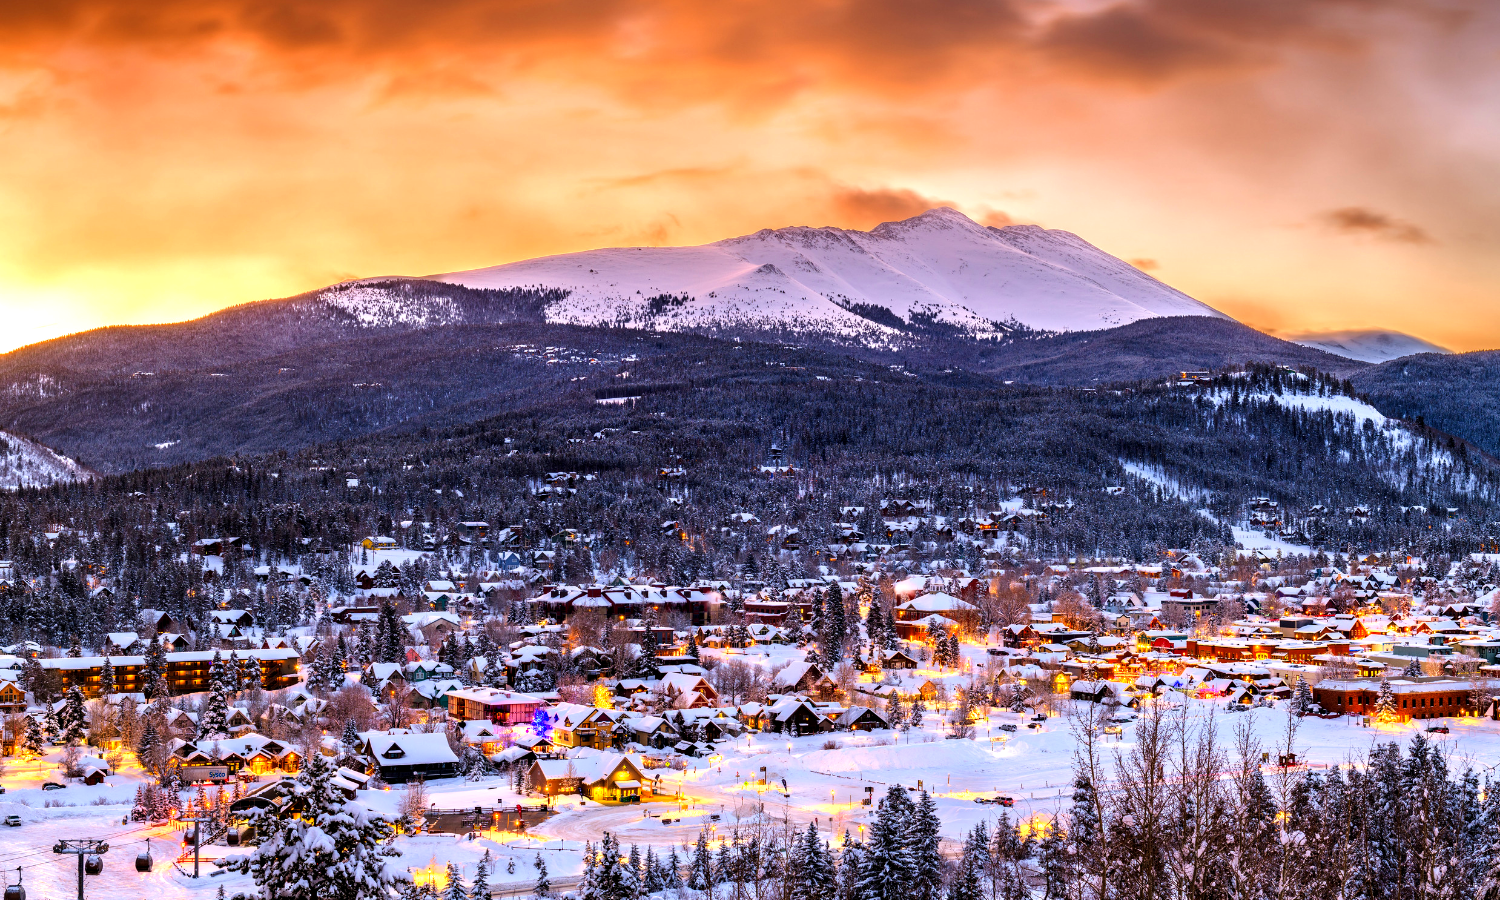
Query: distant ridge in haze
(1371, 345)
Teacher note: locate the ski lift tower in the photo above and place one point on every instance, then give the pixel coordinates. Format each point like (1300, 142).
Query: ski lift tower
(83, 850)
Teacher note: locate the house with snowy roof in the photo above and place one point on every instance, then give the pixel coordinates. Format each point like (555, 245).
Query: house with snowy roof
(605, 777)
(401, 755)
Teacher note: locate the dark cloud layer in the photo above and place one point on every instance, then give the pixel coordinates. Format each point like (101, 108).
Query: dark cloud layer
(1363, 222)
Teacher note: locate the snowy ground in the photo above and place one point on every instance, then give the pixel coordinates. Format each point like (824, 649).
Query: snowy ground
(1032, 766)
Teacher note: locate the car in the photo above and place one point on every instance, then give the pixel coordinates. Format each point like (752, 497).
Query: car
(13, 821)
(1039, 717)
(1000, 800)
(1008, 726)
(1437, 729)
(52, 786)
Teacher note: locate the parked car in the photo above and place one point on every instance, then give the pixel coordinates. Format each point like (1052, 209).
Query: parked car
(1008, 726)
(1437, 729)
(1039, 717)
(13, 821)
(52, 786)
(1002, 801)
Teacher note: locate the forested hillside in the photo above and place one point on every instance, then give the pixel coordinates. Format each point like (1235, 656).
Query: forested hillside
(1457, 393)
(650, 479)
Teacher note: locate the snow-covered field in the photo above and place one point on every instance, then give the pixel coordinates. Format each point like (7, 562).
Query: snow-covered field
(821, 783)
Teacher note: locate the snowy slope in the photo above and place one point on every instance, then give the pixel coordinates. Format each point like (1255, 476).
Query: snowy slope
(25, 463)
(940, 267)
(1369, 345)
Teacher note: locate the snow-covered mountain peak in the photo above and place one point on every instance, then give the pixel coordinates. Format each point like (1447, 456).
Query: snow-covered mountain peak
(938, 269)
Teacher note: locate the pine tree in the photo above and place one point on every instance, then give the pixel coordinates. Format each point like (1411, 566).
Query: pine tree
(1413, 670)
(494, 670)
(141, 810)
(391, 634)
(154, 683)
(654, 876)
(851, 863)
(213, 719)
(106, 678)
(1301, 703)
(542, 888)
(250, 674)
(918, 707)
(631, 875)
(455, 889)
(701, 866)
(335, 850)
(674, 872)
(1385, 702)
(351, 739)
(816, 877)
(838, 624)
(888, 869)
(146, 749)
(793, 626)
(967, 883)
(924, 840)
(692, 647)
(72, 719)
(898, 713)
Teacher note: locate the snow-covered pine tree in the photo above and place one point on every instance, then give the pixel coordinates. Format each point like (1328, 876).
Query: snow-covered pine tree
(918, 707)
(541, 889)
(350, 739)
(818, 877)
(494, 670)
(701, 866)
(586, 886)
(140, 811)
(631, 875)
(72, 719)
(672, 871)
(32, 743)
(795, 635)
(923, 840)
(106, 677)
(1413, 670)
(334, 851)
(838, 623)
(888, 870)
(897, 713)
(1301, 698)
(154, 684)
(653, 875)
(455, 889)
(851, 862)
(146, 747)
(967, 882)
(1385, 702)
(213, 719)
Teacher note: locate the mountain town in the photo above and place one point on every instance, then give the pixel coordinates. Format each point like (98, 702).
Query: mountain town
(449, 705)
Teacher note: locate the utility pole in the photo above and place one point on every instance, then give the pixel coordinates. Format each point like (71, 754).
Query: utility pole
(81, 849)
(198, 822)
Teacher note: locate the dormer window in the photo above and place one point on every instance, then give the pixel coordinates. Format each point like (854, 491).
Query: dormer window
(394, 751)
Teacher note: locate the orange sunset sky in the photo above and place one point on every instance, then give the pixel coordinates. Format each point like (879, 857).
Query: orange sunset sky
(1299, 164)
